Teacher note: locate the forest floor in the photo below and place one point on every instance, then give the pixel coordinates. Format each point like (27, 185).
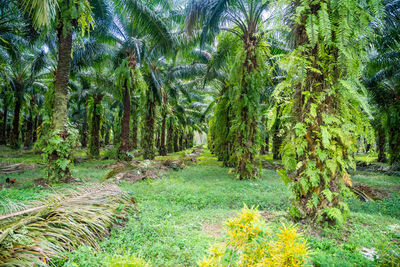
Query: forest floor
(179, 216)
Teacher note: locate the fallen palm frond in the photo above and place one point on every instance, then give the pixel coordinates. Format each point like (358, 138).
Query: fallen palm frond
(118, 168)
(269, 165)
(9, 206)
(378, 167)
(16, 167)
(137, 170)
(368, 193)
(39, 234)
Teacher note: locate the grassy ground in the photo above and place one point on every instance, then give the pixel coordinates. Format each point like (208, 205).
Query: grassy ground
(180, 215)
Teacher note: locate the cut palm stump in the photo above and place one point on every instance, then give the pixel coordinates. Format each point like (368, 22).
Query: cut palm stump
(41, 233)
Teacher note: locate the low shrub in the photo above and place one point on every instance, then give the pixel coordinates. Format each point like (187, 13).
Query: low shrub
(250, 243)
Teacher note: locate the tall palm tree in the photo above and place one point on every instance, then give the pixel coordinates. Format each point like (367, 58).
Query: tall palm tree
(137, 26)
(247, 77)
(12, 32)
(382, 78)
(26, 72)
(98, 81)
(90, 68)
(323, 110)
(64, 17)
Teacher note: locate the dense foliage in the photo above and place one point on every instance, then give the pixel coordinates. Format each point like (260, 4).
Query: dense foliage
(382, 79)
(314, 81)
(324, 111)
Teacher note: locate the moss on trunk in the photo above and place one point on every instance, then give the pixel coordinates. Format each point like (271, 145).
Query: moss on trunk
(60, 105)
(94, 147)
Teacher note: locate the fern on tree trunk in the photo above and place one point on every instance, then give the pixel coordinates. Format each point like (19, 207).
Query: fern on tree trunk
(323, 107)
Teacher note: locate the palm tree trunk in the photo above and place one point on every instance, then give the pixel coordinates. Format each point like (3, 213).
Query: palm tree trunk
(276, 139)
(324, 176)
(94, 148)
(17, 111)
(186, 141)
(23, 132)
(266, 145)
(60, 103)
(158, 133)
(246, 165)
(381, 140)
(191, 142)
(3, 140)
(170, 139)
(107, 137)
(102, 135)
(84, 128)
(176, 139)
(181, 146)
(125, 142)
(394, 140)
(29, 130)
(148, 133)
(163, 150)
(276, 144)
(134, 131)
(37, 123)
(29, 126)
(8, 132)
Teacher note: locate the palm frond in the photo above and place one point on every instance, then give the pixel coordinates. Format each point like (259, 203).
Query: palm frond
(150, 22)
(43, 12)
(57, 225)
(188, 71)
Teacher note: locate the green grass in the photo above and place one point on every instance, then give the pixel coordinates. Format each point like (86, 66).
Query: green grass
(179, 216)
(182, 214)
(366, 157)
(26, 189)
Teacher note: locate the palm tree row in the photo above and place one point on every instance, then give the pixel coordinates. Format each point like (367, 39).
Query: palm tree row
(126, 66)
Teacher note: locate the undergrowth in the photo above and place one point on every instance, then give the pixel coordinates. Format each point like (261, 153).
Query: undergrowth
(180, 216)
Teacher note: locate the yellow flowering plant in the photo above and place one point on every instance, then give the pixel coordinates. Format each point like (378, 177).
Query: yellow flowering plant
(250, 243)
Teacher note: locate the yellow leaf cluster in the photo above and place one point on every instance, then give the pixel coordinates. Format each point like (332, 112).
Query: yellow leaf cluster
(249, 243)
(347, 179)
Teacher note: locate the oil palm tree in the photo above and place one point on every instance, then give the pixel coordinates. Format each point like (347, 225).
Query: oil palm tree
(137, 26)
(64, 17)
(323, 110)
(27, 71)
(382, 78)
(12, 31)
(246, 17)
(98, 83)
(90, 68)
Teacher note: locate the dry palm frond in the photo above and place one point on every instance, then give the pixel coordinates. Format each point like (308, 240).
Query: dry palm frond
(137, 170)
(61, 223)
(368, 193)
(118, 168)
(9, 206)
(16, 167)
